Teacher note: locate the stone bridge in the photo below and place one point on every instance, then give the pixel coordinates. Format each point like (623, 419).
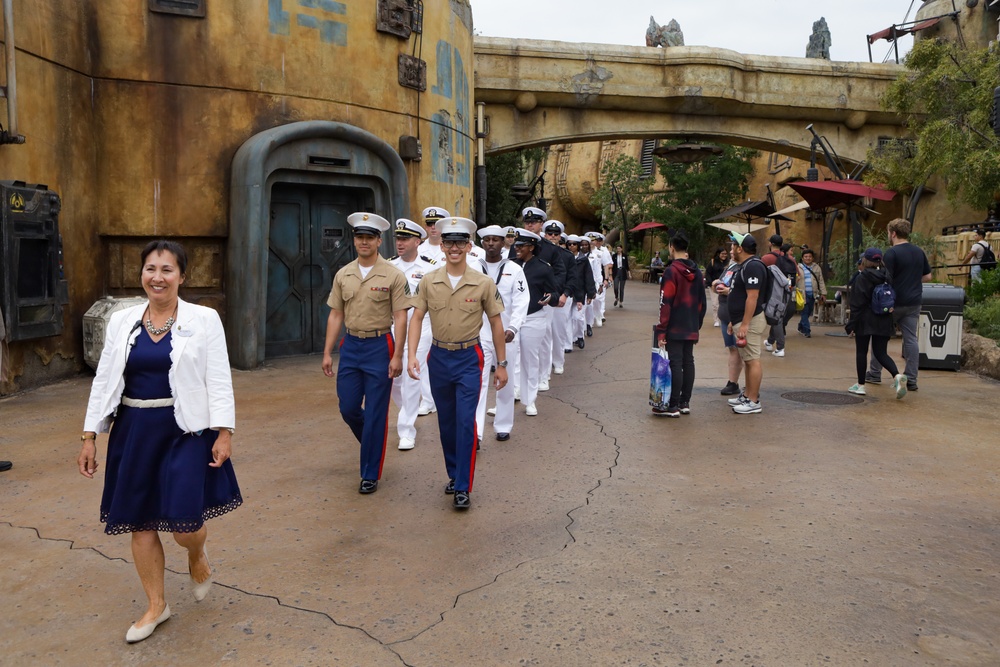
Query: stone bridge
(542, 92)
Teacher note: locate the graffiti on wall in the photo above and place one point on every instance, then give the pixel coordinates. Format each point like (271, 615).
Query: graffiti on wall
(318, 15)
(451, 146)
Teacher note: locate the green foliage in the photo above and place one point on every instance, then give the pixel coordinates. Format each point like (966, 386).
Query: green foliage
(624, 171)
(700, 190)
(945, 97)
(843, 267)
(982, 290)
(984, 317)
(502, 172)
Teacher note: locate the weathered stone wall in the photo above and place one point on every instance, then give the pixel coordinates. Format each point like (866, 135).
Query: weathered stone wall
(133, 117)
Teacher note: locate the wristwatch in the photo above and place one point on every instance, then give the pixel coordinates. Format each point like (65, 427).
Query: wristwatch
(502, 364)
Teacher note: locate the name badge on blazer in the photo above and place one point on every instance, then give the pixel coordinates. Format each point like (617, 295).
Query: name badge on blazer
(183, 331)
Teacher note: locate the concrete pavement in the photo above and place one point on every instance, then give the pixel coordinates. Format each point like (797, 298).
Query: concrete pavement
(599, 535)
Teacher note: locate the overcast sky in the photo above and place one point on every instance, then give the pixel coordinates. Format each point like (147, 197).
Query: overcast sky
(766, 27)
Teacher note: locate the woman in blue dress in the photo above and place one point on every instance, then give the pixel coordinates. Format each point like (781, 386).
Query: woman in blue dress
(165, 382)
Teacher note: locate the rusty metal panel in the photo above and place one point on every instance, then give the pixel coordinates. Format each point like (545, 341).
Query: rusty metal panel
(195, 8)
(412, 72)
(397, 17)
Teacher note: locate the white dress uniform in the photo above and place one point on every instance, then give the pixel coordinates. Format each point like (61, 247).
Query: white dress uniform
(513, 289)
(409, 394)
(475, 255)
(434, 252)
(606, 261)
(595, 265)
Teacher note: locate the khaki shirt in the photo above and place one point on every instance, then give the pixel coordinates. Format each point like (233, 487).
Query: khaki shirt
(368, 304)
(456, 316)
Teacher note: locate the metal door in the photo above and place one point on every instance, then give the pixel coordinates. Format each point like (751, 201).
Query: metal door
(308, 243)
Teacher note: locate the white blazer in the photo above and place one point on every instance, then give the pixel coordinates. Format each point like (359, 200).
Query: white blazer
(201, 381)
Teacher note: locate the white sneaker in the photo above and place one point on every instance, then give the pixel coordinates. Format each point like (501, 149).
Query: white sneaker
(543, 386)
(530, 410)
(558, 370)
(778, 353)
(492, 412)
(425, 410)
(406, 443)
(858, 389)
(748, 407)
(768, 346)
(716, 324)
(739, 399)
(899, 384)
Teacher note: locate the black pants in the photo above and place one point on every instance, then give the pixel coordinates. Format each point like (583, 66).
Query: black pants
(619, 283)
(681, 353)
(879, 346)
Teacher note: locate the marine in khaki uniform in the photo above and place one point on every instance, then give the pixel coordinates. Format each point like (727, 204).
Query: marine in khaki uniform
(457, 296)
(369, 295)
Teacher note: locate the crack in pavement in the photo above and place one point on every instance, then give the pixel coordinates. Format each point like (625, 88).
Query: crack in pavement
(568, 527)
(265, 596)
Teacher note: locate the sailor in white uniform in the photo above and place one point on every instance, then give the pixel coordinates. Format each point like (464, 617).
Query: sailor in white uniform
(409, 394)
(431, 247)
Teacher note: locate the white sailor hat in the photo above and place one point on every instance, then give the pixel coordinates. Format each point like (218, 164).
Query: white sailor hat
(554, 227)
(512, 231)
(435, 213)
(406, 227)
(457, 229)
(563, 237)
(573, 238)
(524, 236)
(532, 214)
(368, 223)
(595, 235)
(492, 230)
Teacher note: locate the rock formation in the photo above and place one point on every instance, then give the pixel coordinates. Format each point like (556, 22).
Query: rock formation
(668, 35)
(819, 41)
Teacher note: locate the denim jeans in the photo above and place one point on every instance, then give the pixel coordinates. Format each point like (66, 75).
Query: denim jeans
(807, 311)
(907, 318)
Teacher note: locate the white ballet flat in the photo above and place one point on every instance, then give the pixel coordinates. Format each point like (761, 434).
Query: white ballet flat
(135, 634)
(201, 590)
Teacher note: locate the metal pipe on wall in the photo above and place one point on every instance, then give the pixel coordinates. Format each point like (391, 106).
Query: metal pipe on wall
(480, 165)
(10, 136)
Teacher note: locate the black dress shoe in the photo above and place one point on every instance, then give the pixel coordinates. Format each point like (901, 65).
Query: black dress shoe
(368, 486)
(450, 488)
(580, 343)
(503, 436)
(479, 442)
(461, 500)
(590, 331)
(569, 351)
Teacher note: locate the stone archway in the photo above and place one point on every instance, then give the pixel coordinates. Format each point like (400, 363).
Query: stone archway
(321, 153)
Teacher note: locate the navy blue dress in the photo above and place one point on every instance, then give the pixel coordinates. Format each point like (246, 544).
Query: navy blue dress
(157, 476)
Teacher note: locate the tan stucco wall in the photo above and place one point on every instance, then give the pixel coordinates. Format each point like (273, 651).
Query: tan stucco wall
(133, 118)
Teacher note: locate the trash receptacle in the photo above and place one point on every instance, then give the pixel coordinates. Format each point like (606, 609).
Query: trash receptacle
(939, 332)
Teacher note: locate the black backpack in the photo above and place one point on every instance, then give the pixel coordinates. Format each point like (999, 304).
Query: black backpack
(989, 260)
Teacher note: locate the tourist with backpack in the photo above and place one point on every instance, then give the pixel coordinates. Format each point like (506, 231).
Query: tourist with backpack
(747, 298)
(872, 303)
(981, 257)
(777, 258)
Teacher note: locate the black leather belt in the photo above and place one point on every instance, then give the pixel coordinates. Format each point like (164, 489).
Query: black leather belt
(464, 345)
(368, 334)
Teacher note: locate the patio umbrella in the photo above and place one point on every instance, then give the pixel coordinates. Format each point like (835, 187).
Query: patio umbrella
(828, 194)
(747, 211)
(644, 226)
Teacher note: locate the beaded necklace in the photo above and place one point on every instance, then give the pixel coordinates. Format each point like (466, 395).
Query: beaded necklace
(156, 331)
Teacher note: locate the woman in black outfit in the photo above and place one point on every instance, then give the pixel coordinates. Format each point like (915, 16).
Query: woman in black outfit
(866, 325)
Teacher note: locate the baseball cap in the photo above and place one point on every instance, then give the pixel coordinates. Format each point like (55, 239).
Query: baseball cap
(745, 241)
(873, 255)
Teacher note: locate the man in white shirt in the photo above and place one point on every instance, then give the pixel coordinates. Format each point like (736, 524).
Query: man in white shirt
(431, 247)
(409, 394)
(511, 285)
(600, 303)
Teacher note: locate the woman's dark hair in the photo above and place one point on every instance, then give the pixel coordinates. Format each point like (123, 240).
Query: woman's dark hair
(174, 248)
(717, 255)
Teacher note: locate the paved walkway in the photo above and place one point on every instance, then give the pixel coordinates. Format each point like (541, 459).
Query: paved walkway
(863, 534)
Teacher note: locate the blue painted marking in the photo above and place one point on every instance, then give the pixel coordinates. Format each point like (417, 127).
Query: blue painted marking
(441, 149)
(443, 85)
(325, 5)
(463, 123)
(277, 18)
(333, 32)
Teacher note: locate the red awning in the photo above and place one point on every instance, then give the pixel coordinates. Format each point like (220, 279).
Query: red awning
(646, 225)
(827, 194)
(894, 32)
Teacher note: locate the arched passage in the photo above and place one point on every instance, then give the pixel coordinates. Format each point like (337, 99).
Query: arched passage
(328, 165)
